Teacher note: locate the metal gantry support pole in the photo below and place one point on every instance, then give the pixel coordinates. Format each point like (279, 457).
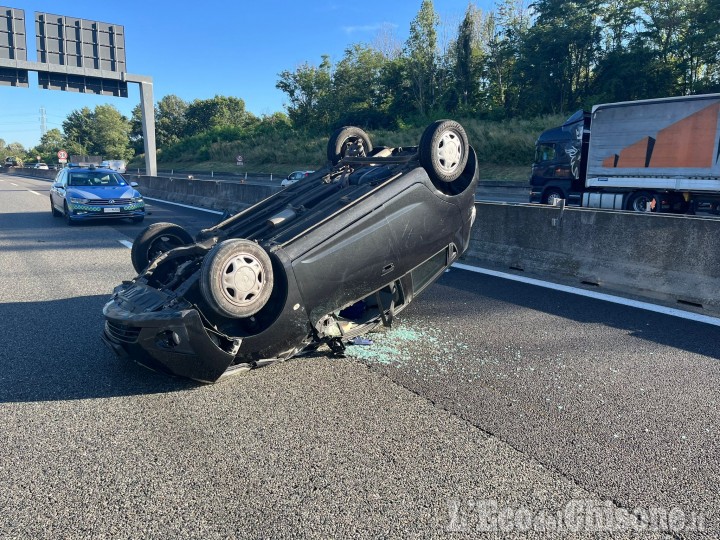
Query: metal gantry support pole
(148, 126)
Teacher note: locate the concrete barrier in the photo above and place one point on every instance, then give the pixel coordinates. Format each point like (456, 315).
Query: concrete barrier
(659, 257)
(43, 174)
(222, 195)
(214, 194)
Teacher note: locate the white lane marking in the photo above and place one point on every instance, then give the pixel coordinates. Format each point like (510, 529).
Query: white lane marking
(126, 243)
(34, 192)
(13, 184)
(592, 294)
(185, 206)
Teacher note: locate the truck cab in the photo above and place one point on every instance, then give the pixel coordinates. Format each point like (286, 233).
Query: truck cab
(557, 170)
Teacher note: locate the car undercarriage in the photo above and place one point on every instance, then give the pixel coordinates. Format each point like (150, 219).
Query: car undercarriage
(318, 263)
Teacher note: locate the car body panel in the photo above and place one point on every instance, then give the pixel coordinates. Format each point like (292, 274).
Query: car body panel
(350, 247)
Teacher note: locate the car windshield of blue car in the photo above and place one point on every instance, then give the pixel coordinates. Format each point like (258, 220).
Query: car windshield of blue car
(95, 179)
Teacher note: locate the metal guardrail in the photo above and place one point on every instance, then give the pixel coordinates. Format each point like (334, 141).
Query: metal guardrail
(210, 175)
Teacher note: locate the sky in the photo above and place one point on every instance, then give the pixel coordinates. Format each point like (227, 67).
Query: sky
(197, 50)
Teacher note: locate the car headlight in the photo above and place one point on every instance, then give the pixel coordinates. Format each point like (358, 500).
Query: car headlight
(78, 201)
(137, 199)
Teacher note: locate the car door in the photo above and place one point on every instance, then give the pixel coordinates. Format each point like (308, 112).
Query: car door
(57, 191)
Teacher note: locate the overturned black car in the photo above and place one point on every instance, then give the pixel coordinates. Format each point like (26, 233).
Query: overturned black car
(320, 262)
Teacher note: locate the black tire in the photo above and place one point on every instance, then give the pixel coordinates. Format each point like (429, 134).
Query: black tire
(55, 211)
(236, 278)
(155, 240)
(444, 151)
(551, 195)
(348, 140)
(638, 202)
(69, 220)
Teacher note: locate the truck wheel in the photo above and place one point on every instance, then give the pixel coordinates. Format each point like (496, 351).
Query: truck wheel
(640, 201)
(236, 278)
(348, 141)
(552, 196)
(444, 151)
(155, 240)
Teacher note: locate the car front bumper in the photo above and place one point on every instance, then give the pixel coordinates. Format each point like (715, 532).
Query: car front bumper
(168, 340)
(89, 211)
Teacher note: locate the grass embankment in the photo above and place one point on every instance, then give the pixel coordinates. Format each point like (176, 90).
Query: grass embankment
(505, 149)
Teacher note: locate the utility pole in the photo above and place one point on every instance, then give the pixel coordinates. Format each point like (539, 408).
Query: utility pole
(43, 121)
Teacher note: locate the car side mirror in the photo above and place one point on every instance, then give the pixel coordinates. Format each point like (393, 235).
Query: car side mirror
(134, 184)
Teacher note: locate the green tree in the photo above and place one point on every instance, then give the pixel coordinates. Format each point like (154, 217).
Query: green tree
(625, 64)
(421, 54)
(501, 36)
(358, 94)
(308, 89)
(103, 132)
(705, 30)
(558, 56)
(110, 133)
(620, 19)
(170, 120)
(137, 140)
(52, 140)
(170, 123)
(467, 60)
(15, 149)
(698, 44)
(50, 143)
(207, 114)
(78, 131)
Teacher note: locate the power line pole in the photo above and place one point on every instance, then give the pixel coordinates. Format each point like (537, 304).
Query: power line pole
(43, 121)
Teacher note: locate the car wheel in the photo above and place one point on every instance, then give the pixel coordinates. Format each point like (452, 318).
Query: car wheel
(155, 240)
(640, 201)
(236, 278)
(68, 219)
(552, 196)
(55, 211)
(444, 151)
(348, 141)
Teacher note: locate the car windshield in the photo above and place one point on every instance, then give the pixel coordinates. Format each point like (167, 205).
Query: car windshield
(95, 179)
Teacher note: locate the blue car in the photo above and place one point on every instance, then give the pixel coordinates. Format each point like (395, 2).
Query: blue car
(82, 193)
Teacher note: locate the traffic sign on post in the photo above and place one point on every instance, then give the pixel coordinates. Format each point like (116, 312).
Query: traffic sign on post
(62, 154)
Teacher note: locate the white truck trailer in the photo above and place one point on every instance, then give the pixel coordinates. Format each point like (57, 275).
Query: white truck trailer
(658, 155)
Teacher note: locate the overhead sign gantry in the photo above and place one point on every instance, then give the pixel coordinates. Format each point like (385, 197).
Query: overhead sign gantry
(74, 55)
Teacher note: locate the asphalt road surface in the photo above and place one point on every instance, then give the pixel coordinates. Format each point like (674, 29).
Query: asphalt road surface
(493, 409)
